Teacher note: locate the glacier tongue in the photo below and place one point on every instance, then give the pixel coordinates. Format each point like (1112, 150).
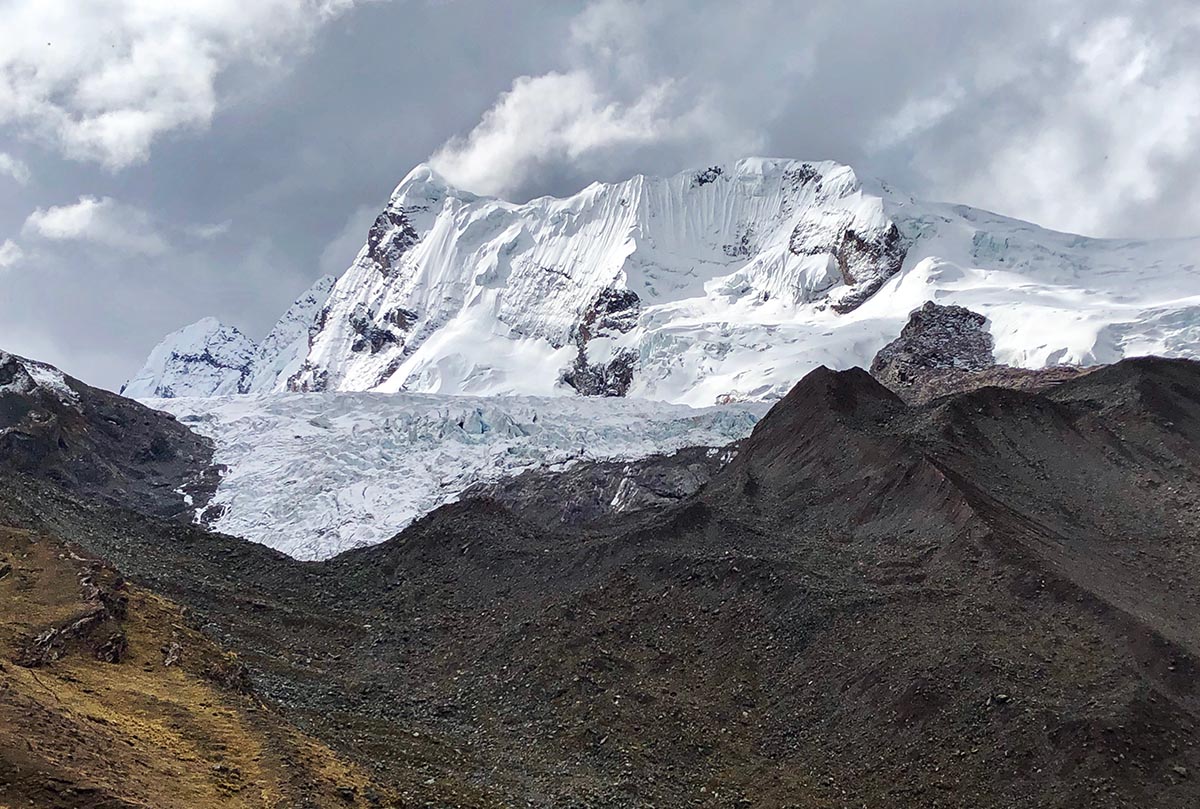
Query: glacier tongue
(316, 474)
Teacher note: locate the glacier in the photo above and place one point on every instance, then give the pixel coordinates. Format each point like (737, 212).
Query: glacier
(316, 474)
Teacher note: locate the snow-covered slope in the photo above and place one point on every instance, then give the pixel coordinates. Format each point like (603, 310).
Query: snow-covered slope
(209, 358)
(316, 474)
(281, 353)
(722, 284)
(206, 358)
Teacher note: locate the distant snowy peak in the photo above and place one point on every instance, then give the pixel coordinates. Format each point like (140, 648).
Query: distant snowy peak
(209, 358)
(206, 358)
(461, 293)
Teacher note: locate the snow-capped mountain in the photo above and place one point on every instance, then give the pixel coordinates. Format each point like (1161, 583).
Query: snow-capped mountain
(459, 293)
(722, 284)
(206, 358)
(209, 358)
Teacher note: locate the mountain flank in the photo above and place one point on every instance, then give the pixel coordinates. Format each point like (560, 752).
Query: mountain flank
(984, 599)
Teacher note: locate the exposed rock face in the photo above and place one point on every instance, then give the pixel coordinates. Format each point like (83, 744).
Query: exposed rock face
(866, 261)
(390, 237)
(948, 349)
(936, 338)
(603, 368)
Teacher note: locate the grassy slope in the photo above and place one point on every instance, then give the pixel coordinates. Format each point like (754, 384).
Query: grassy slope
(80, 732)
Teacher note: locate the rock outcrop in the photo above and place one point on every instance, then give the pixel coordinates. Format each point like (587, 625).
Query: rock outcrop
(948, 349)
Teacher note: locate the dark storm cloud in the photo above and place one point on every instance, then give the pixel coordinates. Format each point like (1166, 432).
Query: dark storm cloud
(256, 169)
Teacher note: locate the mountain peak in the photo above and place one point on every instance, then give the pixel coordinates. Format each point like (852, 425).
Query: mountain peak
(722, 283)
(208, 358)
(568, 283)
(205, 358)
(424, 185)
(24, 377)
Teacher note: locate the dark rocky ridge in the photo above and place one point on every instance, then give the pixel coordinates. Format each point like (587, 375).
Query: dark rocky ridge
(602, 493)
(982, 601)
(100, 445)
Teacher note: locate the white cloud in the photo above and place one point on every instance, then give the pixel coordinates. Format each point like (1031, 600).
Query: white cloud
(545, 119)
(99, 220)
(101, 80)
(544, 123)
(10, 254)
(14, 168)
(1095, 145)
(614, 106)
(918, 115)
(1080, 117)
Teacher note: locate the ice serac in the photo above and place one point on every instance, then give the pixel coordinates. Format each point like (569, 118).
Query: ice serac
(206, 358)
(458, 293)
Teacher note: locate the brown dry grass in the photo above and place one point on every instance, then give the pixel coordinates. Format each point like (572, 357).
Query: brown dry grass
(80, 732)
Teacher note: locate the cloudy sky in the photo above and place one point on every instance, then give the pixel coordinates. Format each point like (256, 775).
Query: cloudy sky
(162, 160)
